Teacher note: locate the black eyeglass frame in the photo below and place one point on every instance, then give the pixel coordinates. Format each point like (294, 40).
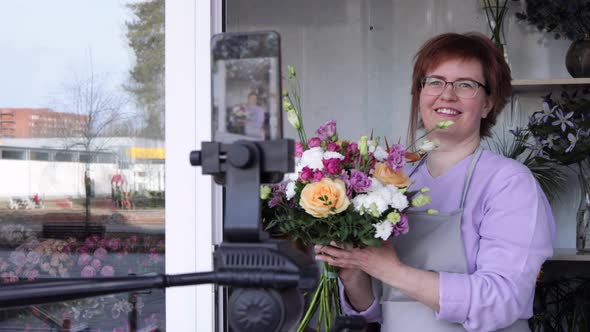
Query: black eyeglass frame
(485, 88)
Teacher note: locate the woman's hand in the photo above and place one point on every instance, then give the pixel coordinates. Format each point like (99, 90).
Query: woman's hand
(382, 263)
(378, 262)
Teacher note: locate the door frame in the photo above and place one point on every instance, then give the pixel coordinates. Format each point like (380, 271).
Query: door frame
(189, 211)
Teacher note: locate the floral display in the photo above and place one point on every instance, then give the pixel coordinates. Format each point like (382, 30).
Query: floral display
(353, 193)
(561, 133)
(562, 128)
(32, 258)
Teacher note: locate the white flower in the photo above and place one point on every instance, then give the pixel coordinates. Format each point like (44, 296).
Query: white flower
(378, 201)
(312, 158)
(383, 230)
(359, 202)
(375, 184)
(384, 193)
(333, 154)
(380, 154)
(293, 176)
(428, 145)
(290, 190)
(372, 203)
(399, 201)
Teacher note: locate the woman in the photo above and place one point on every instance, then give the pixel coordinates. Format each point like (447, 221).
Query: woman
(473, 266)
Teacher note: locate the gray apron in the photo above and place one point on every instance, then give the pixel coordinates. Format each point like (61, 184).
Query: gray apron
(433, 243)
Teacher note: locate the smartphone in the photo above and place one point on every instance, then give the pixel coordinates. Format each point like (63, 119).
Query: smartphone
(246, 86)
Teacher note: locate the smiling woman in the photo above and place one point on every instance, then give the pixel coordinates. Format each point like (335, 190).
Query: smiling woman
(486, 246)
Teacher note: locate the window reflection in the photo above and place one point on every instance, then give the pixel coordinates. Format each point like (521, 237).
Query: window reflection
(82, 158)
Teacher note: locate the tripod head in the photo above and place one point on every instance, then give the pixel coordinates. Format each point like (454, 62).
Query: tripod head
(241, 167)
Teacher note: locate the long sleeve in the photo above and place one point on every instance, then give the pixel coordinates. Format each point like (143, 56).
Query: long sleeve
(372, 314)
(515, 237)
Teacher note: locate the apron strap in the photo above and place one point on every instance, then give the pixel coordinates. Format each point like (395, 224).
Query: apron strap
(417, 166)
(467, 180)
(474, 160)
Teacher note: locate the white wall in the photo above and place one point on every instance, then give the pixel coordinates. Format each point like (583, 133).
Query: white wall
(61, 179)
(361, 75)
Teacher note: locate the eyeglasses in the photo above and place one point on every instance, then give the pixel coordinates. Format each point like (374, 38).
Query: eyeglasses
(464, 88)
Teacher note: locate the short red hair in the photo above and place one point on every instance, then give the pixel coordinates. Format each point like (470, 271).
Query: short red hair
(468, 46)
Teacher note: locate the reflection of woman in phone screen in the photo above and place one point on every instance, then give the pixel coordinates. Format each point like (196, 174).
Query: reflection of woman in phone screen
(254, 117)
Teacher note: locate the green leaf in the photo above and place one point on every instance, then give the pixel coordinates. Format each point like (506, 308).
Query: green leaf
(371, 242)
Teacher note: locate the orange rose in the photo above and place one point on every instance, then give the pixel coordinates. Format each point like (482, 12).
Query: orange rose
(386, 176)
(324, 197)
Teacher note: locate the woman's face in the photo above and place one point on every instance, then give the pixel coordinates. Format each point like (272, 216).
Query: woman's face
(465, 113)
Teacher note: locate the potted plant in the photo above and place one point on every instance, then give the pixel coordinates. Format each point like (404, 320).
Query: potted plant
(564, 19)
(495, 11)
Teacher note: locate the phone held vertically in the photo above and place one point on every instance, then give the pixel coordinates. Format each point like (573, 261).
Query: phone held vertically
(246, 86)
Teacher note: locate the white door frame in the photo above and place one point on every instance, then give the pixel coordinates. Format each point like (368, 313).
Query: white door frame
(189, 226)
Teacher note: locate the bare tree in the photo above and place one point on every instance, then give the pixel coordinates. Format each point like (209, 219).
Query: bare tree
(90, 111)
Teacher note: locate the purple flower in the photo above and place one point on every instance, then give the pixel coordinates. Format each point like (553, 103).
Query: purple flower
(33, 257)
(397, 157)
(32, 274)
(402, 226)
(89, 243)
(573, 141)
(563, 120)
(314, 142)
(96, 264)
(332, 166)
(298, 149)
(327, 130)
(547, 113)
(18, 258)
(114, 244)
(332, 146)
(306, 174)
(84, 259)
(107, 271)
(346, 180)
(352, 148)
(88, 272)
(100, 253)
(359, 181)
(278, 192)
(318, 175)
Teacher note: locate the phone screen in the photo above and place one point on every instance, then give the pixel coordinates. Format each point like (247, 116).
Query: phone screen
(246, 86)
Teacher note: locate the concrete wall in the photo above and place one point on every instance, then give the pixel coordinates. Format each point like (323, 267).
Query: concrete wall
(354, 60)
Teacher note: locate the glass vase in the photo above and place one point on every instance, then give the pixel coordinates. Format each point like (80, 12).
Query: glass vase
(583, 214)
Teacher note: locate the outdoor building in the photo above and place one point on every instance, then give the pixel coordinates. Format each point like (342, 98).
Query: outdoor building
(39, 122)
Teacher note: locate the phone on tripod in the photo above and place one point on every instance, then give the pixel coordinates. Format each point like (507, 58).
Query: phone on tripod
(246, 86)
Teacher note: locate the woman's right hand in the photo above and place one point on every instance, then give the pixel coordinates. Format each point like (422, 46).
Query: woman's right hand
(357, 283)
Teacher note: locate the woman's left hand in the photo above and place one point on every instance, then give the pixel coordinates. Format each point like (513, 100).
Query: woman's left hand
(378, 262)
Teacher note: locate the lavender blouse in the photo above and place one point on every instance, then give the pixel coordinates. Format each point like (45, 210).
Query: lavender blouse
(508, 230)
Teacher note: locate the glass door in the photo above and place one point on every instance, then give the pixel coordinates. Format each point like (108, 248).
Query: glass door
(82, 157)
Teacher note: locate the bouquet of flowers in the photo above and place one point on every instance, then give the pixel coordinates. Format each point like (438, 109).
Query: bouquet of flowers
(354, 193)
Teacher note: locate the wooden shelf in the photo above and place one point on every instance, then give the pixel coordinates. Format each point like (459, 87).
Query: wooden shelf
(567, 254)
(548, 84)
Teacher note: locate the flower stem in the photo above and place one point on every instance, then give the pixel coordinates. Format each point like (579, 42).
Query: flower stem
(313, 306)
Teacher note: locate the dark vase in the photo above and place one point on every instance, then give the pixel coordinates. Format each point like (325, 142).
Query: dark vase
(577, 59)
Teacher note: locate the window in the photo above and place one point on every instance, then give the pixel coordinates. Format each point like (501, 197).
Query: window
(80, 194)
(12, 154)
(63, 156)
(38, 155)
